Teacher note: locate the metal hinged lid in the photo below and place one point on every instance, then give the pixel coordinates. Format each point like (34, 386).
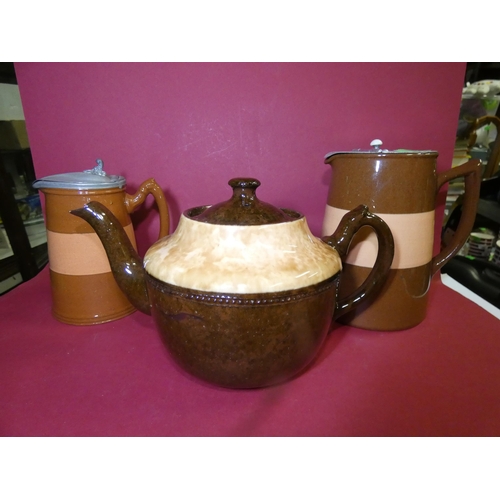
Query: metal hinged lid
(377, 150)
(95, 178)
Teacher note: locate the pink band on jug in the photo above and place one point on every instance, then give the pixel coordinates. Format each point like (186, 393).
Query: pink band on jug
(79, 254)
(413, 239)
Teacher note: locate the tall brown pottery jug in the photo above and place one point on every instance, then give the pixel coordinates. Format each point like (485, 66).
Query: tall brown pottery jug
(84, 291)
(400, 187)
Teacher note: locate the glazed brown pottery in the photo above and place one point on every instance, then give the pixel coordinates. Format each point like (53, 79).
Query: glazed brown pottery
(401, 187)
(242, 293)
(84, 291)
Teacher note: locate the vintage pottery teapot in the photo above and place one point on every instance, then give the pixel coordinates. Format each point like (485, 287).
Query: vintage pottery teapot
(242, 293)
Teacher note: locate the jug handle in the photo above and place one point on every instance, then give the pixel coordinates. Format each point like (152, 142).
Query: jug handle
(341, 240)
(471, 173)
(150, 186)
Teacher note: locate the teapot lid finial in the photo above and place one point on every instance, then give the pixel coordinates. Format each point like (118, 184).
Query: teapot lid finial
(244, 190)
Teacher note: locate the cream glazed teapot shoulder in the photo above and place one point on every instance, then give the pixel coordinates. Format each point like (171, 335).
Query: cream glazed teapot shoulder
(234, 258)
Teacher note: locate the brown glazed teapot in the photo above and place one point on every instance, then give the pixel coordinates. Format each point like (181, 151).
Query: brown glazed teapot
(242, 293)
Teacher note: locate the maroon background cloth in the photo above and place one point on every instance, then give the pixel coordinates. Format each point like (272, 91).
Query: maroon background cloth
(441, 378)
(194, 126)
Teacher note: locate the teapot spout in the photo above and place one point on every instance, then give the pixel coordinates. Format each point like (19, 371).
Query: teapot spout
(126, 265)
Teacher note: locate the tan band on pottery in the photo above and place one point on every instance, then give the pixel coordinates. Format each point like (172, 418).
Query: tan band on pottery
(80, 254)
(413, 238)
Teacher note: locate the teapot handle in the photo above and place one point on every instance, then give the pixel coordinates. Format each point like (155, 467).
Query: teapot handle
(132, 201)
(341, 240)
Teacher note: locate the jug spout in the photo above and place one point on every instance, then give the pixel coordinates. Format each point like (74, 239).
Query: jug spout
(125, 263)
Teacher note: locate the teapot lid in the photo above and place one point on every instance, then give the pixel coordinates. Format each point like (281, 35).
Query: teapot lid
(243, 208)
(95, 178)
(377, 149)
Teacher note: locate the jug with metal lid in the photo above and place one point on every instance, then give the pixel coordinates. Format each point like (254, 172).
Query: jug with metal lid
(83, 289)
(399, 186)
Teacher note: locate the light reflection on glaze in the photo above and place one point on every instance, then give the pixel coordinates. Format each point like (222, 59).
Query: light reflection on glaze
(242, 259)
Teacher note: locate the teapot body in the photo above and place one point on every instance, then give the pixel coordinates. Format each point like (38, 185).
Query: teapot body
(242, 306)
(242, 341)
